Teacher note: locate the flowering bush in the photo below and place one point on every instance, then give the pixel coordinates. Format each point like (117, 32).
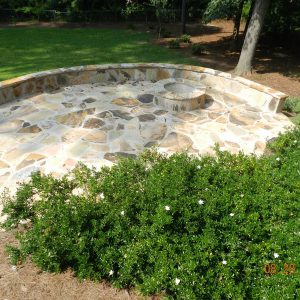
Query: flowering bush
(180, 226)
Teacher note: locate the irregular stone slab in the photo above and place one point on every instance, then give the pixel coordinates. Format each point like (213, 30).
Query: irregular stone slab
(114, 157)
(128, 102)
(30, 129)
(10, 126)
(187, 116)
(176, 142)
(242, 117)
(154, 132)
(93, 123)
(89, 100)
(104, 114)
(74, 119)
(29, 160)
(146, 98)
(3, 165)
(68, 104)
(146, 117)
(121, 114)
(160, 112)
(73, 136)
(96, 137)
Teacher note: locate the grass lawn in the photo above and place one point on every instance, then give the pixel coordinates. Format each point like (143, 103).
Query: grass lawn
(28, 50)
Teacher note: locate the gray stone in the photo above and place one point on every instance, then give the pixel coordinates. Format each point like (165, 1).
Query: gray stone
(121, 114)
(104, 114)
(146, 98)
(146, 117)
(160, 112)
(67, 104)
(89, 100)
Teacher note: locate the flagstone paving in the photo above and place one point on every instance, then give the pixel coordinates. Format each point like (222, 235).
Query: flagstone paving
(97, 123)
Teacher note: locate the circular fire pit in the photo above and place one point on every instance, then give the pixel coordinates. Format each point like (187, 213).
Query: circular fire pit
(180, 96)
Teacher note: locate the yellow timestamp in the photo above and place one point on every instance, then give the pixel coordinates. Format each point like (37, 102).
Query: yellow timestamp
(271, 269)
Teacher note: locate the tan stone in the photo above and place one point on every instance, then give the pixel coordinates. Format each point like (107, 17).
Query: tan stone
(30, 129)
(29, 160)
(128, 102)
(176, 142)
(93, 123)
(74, 119)
(96, 137)
(3, 165)
(242, 117)
(153, 131)
(260, 146)
(10, 126)
(73, 135)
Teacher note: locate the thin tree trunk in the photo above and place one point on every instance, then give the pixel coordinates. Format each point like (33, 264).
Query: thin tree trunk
(237, 22)
(183, 17)
(244, 65)
(249, 16)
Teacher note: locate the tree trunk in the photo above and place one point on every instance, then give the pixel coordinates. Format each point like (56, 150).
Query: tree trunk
(237, 22)
(244, 65)
(249, 16)
(183, 16)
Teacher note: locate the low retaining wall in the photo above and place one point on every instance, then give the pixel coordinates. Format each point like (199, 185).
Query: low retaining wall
(253, 93)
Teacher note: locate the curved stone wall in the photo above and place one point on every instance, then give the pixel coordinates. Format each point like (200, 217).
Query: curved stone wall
(254, 94)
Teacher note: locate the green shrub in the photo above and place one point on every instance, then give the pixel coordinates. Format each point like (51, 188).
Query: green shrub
(290, 104)
(198, 49)
(185, 38)
(174, 44)
(187, 227)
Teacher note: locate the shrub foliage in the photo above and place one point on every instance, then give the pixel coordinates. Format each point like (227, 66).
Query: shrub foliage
(185, 227)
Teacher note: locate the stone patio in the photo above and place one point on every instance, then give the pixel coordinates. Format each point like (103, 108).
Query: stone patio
(97, 123)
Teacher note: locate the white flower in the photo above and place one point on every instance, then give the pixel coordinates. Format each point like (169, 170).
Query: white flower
(199, 167)
(101, 196)
(122, 213)
(24, 222)
(177, 281)
(231, 214)
(278, 158)
(276, 255)
(111, 273)
(78, 191)
(224, 262)
(201, 202)
(206, 189)
(242, 195)
(167, 208)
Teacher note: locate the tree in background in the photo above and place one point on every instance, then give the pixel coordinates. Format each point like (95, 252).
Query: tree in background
(244, 65)
(220, 9)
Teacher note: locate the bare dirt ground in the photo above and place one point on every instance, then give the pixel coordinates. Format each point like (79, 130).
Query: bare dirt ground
(274, 66)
